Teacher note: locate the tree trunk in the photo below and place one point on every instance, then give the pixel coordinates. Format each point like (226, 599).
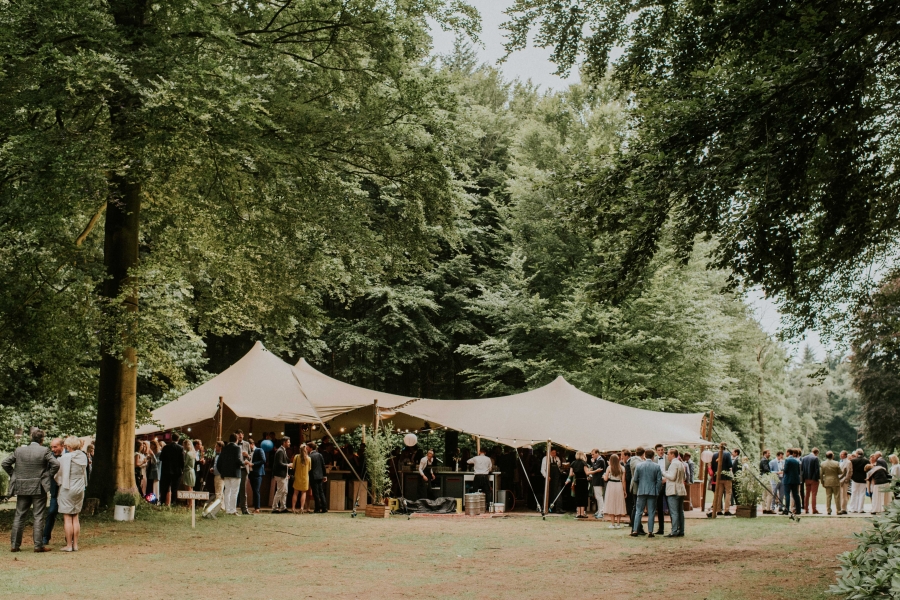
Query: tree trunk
(117, 401)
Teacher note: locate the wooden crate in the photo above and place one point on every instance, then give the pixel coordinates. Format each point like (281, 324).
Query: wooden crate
(378, 511)
(337, 494)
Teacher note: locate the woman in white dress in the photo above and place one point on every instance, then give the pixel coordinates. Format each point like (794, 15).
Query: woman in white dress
(615, 492)
(72, 479)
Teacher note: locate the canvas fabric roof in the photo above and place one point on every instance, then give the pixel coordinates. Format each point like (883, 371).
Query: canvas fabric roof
(259, 386)
(558, 411)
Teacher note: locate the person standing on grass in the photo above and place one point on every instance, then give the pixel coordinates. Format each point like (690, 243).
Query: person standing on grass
(152, 468)
(598, 468)
(56, 447)
(636, 459)
(877, 478)
(172, 459)
(245, 470)
(831, 480)
(72, 481)
(792, 480)
(301, 479)
(648, 481)
(218, 481)
(846, 481)
(317, 479)
(858, 482)
(188, 474)
(230, 465)
(257, 470)
(662, 461)
(30, 468)
(765, 467)
(675, 492)
(199, 466)
(812, 473)
(578, 473)
(614, 504)
(482, 468)
(281, 475)
(723, 479)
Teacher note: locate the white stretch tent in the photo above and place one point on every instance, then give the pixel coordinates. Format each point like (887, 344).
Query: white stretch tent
(558, 411)
(259, 386)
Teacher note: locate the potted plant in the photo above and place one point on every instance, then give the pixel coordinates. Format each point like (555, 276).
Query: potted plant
(749, 493)
(378, 451)
(124, 506)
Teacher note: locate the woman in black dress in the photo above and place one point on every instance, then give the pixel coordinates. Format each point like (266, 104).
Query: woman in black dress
(578, 472)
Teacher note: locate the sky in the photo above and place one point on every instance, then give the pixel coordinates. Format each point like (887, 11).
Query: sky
(534, 63)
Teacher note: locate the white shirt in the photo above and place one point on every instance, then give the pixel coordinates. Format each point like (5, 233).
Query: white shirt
(482, 464)
(544, 465)
(424, 463)
(661, 461)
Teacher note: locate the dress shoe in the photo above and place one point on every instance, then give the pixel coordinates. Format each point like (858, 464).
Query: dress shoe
(671, 535)
(43, 549)
(14, 550)
(634, 534)
(843, 512)
(651, 536)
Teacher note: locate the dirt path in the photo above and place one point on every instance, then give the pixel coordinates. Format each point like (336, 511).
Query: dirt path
(334, 556)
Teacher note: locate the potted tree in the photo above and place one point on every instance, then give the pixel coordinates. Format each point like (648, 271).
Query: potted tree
(378, 451)
(749, 493)
(124, 506)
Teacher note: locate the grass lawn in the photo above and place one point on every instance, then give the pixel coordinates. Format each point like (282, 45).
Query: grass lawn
(334, 556)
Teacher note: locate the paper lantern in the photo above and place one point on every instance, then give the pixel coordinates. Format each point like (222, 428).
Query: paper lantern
(410, 439)
(706, 456)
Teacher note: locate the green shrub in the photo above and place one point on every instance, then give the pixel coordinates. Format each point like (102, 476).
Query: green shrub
(749, 489)
(872, 570)
(125, 499)
(4, 479)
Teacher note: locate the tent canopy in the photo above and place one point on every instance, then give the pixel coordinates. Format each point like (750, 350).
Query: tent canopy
(557, 411)
(258, 386)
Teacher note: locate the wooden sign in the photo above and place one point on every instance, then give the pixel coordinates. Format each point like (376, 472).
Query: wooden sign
(192, 496)
(184, 495)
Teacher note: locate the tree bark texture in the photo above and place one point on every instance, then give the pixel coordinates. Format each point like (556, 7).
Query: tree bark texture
(117, 398)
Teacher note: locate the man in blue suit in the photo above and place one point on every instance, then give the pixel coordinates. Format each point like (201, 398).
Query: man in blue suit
(648, 480)
(257, 470)
(791, 481)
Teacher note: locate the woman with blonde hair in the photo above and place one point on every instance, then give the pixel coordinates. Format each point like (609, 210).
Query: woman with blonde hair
(301, 466)
(578, 475)
(140, 465)
(614, 503)
(188, 475)
(72, 480)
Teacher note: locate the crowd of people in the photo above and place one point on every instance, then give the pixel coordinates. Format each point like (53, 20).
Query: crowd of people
(36, 472)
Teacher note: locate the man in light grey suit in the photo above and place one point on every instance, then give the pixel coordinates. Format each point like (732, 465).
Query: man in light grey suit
(29, 481)
(648, 479)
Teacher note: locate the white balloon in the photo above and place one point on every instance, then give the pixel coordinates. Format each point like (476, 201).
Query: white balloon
(706, 456)
(410, 439)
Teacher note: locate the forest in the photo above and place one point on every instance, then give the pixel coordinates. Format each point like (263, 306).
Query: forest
(177, 182)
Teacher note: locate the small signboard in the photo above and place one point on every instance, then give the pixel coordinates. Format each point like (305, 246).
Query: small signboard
(192, 496)
(184, 495)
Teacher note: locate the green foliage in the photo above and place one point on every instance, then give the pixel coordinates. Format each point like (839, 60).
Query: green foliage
(125, 499)
(767, 126)
(378, 452)
(872, 569)
(875, 363)
(749, 489)
(4, 479)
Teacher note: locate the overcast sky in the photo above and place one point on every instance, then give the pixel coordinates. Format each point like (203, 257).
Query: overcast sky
(534, 63)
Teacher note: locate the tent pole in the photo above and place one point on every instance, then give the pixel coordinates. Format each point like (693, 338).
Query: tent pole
(221, 417)
(708, 436)
(719, 490)
(547, 481)
(375, 417)
(477, 444)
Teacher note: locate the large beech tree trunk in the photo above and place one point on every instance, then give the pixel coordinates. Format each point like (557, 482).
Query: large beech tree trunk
(117, 401)
(117, 398)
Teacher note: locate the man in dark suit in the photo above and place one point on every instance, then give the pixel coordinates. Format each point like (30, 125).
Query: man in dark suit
(723, 483)
(858, 482)
(257, 470)
(56, 447)
(811, 471)
(172, 459)
(791, 481)
(317, 479)
(31, 468)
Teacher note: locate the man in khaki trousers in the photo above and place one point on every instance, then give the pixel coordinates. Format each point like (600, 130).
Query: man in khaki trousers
(830, 476)
(846, 475)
